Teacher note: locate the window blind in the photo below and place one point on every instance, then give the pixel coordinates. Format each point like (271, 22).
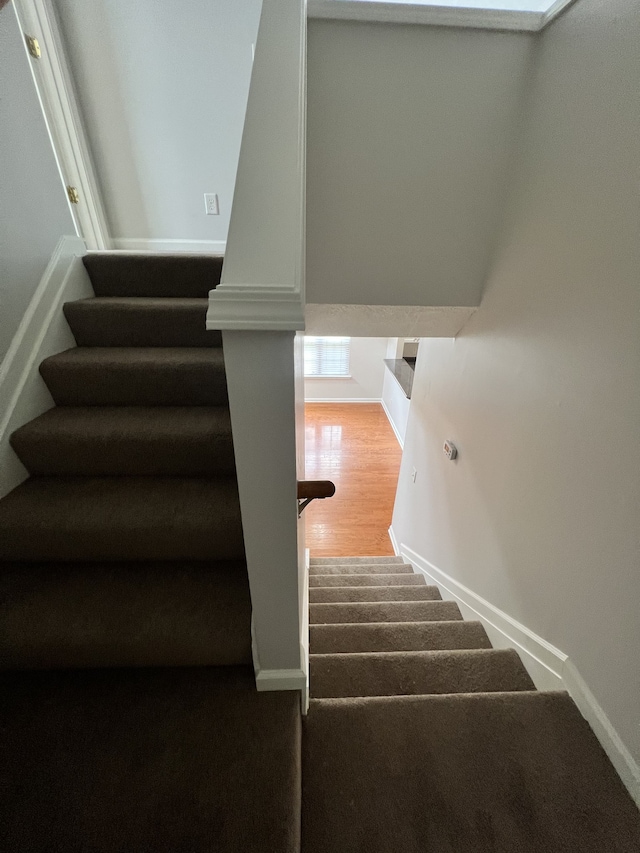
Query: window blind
(326, 356)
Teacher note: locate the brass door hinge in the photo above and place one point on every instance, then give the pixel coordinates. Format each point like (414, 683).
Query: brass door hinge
(33, 46)
(74, 195)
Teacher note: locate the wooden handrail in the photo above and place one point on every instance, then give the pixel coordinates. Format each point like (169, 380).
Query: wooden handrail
(312, 489)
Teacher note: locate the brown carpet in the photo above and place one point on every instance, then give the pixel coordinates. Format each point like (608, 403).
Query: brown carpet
(421, 738)
(383, 611)
(129, 718)
(188, 441)
(57, 616)
(353, 594)
(366, 580)
(397, 637)
(148, 761)
(498, 773)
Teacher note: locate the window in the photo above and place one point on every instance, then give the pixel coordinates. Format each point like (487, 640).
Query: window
(326, 356)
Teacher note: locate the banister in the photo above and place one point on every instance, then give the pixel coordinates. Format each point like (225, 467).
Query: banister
(311, 490)
(315, 489)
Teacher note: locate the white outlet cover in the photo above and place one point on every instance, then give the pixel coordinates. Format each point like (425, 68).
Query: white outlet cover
(211, 206)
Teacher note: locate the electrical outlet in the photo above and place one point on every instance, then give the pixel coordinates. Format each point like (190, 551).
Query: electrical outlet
(211, 206)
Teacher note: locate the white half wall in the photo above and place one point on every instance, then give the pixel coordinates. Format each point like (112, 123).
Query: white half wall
(366, 380)
(539, 515)
(410, 132)
(394, 401)
(34, 212)
(163, 90)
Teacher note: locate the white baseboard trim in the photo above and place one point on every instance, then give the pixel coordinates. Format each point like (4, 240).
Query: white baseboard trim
(281, 679)
(394, 542)
(342, 400)
(304, 631)
(393, 426)
(543, 661)
(42, 332)
(624, 763)
(138, 244)
(549, 667)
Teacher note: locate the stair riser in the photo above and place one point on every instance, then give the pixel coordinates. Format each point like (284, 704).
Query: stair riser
(124, 615)
(67, 456)
(191, 276)
(341, 561)
(417, 673)
(408, 611)
(375, 593)
(121, 518)
(366, 580)
(143, 384)
(363, 568)
(99, 326)
(397, 637)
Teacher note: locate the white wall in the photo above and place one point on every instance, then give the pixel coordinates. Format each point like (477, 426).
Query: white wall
(367, 375)
(163, 89)
(34, 212)
(396, 403)
(541, 390)
(410, 130)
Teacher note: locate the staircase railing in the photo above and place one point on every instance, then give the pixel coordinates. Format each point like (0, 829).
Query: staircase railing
(259, 306)
(311, 490)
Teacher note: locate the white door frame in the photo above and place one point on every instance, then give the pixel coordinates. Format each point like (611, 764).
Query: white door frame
(54, 85)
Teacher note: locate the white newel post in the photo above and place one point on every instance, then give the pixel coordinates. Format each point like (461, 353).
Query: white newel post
(259, 306)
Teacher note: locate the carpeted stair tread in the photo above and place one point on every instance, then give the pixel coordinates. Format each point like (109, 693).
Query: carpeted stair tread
(66, 615)
(363, 568)
(354, 561)
(329, 594)
(500, 772)
(121, 518)
(397, 637)
(140, 322)
(404, 579)
(384, 611)
(417, 672)
(162, 760)
(136, 376)
(131, 274)
(121, 440)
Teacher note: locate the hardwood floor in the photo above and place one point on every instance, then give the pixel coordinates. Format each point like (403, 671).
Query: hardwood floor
(353, 445)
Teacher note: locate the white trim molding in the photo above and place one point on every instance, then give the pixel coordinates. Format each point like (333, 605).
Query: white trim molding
(146, 244)
(393, 426)
(394, 542)
(262, 283)
(550, 668)
(434, 15)
(54, 85)
(42, 332)
(242, 307)
(281, 679)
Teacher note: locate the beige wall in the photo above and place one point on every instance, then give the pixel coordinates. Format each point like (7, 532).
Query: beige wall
(410, 130)
(541, 390)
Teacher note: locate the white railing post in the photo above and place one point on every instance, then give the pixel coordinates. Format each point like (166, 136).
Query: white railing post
(259, 306)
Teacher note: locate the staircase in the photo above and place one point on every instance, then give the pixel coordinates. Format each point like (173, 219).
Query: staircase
(129, 717)
(422, 737)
